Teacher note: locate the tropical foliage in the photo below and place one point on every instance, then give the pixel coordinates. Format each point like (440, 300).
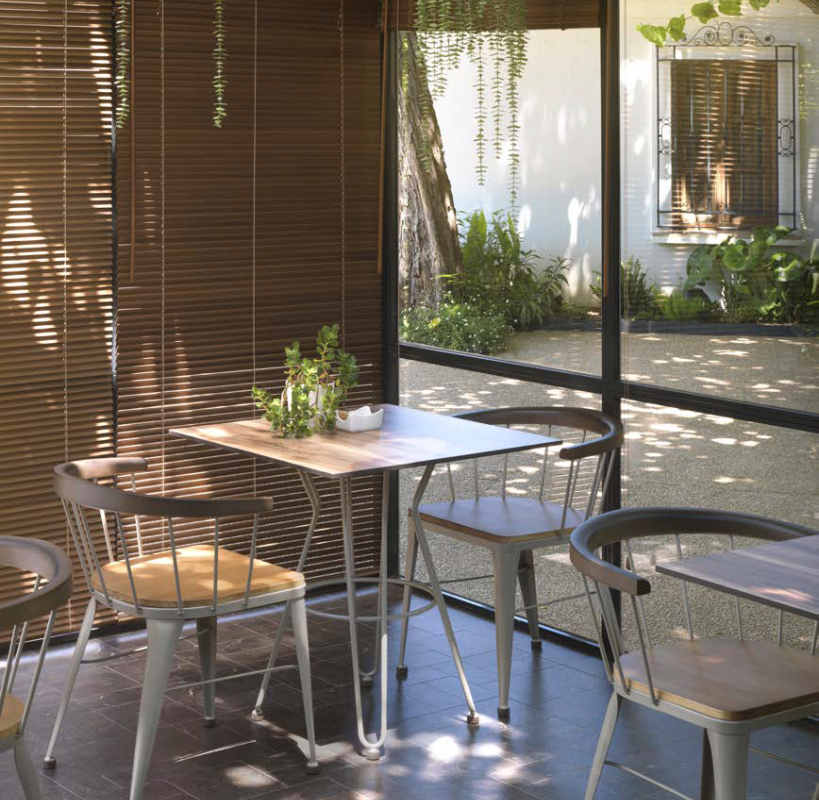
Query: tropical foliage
(639, 297)
(314, 388)
(456, 326)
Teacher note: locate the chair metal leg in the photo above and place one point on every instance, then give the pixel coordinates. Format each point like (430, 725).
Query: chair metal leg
(528, 590)
(410, 566)
(729, 757)
(506, 567)
(49, 761)
(707, 770)
(162, 641)
(206, 628)
(26, 773)
(303, 656)
(603, 743)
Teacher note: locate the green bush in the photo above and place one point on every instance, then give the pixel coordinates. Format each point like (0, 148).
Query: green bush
(681, 307)
(500, 277)
(639, 298)
(456, 326)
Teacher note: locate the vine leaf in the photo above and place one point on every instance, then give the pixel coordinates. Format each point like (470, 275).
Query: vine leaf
(731, 8)
(704, 12)
(676, 28)
(656, 34)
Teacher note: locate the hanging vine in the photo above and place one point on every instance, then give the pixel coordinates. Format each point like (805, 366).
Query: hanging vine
(492, 35)
(121, 83)
(219, 56)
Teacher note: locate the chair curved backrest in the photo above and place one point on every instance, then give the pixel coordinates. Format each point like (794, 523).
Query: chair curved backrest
(606, 438)
(52, 573)
(76, 483)
(639, 523)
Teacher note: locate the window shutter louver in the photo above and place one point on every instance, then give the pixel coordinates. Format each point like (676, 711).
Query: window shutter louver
(55, 261)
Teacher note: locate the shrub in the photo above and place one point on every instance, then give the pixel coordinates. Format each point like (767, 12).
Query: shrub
(456, 326)
(681, 307)
(639, 299)
(500, 277)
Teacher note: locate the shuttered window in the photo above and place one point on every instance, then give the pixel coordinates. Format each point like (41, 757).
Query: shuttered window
(55, 260)
(241, 244)
(724, 160)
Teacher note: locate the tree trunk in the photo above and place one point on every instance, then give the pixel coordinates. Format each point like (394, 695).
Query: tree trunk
(428, 222)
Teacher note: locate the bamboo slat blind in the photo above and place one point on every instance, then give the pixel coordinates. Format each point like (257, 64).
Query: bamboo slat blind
(55, 260)
(239, 243)
(724, 142)
(540, 14)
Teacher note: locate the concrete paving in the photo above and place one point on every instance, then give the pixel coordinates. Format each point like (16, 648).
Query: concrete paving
(672, 457)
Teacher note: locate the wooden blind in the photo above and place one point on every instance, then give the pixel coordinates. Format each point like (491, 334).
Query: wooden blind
(55, 260)
(540, 14)
(242, 243)
(724, 143)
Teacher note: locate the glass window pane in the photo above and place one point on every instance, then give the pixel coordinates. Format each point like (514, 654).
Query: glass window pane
(481, 271)
(718, 130)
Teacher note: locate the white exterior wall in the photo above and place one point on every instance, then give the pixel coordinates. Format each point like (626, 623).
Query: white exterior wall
(560, 208)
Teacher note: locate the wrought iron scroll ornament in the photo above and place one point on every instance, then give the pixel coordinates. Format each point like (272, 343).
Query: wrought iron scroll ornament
(727, 35)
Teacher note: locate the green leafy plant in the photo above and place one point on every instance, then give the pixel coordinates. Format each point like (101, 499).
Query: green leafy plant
(492, 34)
(639, 298)
(683, 307)
(314, 388)
(456, 326)
(703, 12)
(501, 277)
(752, 278)
(219, 56)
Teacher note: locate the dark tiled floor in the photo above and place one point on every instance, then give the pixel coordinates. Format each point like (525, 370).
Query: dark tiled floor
(558, 700)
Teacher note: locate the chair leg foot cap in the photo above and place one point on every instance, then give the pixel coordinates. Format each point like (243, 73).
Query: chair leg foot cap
(366, 681)
(537, 644)
(210, 723)
(49, 763)
(401, 671)
(372, 753)
(473, 718)
(503, 714)
(257, 715)
(313, 769)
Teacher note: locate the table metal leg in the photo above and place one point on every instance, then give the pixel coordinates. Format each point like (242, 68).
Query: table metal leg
(421, 537)
(372, 748)
(315, 502)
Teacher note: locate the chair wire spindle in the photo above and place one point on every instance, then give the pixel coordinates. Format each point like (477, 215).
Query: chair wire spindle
(596, 622)
(80, 556)
(4, 686)
(611, 627)
(595, 485)
(82, 523)
(127, 555)
(21, 643)
(136, 520)
(736, 601)
(644, 649)
(172, 539)
(37, 670)
(545, 471)
(106, 533)
(451, 481)
(215, 565)
(607, 479)
(686, 603)
(253, 540)
(567, 500)
(632, 567)
(505, 469)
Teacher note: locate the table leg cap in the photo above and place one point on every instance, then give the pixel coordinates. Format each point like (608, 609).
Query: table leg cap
(537, 644)
(401, 671)
(372, 753)
(313, 768)
(257, 715)
(210, 723)
(503, 714)
(366, 681)
(473, 718)
(49, 763)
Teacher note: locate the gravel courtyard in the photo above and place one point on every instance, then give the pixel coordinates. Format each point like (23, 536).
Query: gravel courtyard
(671, 457)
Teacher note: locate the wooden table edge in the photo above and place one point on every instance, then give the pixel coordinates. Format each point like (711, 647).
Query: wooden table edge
(548, 441)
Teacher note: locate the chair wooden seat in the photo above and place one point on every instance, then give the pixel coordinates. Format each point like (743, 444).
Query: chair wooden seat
(729, 680)
(156, 586)
(501, 519)
(10, 716)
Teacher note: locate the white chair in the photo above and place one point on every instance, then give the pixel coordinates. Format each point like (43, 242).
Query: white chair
(512, 527)
(728, 688)
(168, 583)
(51, 571)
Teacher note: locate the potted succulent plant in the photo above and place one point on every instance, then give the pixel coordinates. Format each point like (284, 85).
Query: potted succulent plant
(314, 389)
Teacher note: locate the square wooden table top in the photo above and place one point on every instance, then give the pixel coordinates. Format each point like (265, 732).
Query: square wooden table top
(780, 574)
(408, 438)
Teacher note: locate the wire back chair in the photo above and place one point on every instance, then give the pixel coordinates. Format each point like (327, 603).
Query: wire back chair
(511, 527)
(729, 688)
(51, 588)
(169, 582)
